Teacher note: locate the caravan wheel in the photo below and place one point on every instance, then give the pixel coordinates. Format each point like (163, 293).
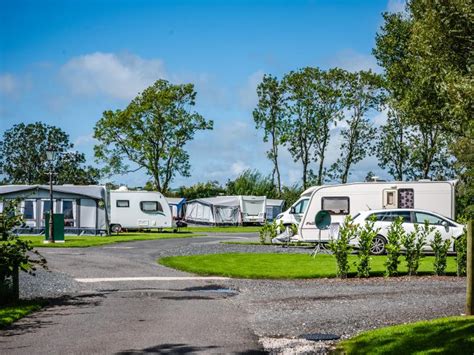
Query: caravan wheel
(378, 245)
(116, 228)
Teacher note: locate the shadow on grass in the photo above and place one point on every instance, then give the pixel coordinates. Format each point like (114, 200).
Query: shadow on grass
(445, 336)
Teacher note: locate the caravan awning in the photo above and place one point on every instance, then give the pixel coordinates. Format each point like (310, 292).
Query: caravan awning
(94, 192)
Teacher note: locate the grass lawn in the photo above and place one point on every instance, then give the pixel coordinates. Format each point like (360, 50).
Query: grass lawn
(92, 241)
(230, 229)
(453, 335)
(10, 314)
(282, 266)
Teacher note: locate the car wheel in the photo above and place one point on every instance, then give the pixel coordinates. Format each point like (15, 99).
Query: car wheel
(378, 245)
(116, 228)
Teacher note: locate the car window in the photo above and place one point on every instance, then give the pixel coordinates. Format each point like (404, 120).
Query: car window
(421, 217)
(390, 216)
(300, 207)
(404, 214)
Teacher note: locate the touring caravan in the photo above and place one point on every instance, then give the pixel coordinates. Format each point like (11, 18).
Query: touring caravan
(139, 210)
(84, 207)
(349, 199)
(253, 209)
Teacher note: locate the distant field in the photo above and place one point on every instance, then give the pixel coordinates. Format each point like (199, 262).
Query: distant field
(93, 241)
(282, 266)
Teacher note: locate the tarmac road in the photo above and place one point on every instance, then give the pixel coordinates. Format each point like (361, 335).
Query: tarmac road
(134, 316)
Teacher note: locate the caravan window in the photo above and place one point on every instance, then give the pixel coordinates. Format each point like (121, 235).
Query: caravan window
(28, 212)
(335, 205)
(123, 203)
(151, 206)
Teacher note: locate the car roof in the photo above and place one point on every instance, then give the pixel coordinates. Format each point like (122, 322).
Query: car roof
(399, 210)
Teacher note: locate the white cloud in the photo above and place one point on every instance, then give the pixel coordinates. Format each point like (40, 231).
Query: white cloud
(248, 93)
(396, 6)
(8, 84)
(239, 167)
(380, 118)
(354, 61)
(84, 140)
(118, 76)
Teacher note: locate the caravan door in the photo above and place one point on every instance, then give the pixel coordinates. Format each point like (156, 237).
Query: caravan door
(390, 199)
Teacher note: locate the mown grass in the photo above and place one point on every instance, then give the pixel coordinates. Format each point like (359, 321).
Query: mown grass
(282, 266)
(12, 313)
(453, 335)
(93, 241)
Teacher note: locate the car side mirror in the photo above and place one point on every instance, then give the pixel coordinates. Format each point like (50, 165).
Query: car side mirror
(292, 210)
(445, 224)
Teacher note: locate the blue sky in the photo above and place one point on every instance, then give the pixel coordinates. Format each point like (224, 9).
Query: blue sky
(65, 62)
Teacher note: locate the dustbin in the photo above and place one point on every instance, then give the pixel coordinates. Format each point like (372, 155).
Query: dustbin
(58, 232)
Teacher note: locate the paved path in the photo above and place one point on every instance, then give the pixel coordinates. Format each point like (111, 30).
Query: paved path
(152, 309)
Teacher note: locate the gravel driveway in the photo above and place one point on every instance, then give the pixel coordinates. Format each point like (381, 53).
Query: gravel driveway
(281, 311)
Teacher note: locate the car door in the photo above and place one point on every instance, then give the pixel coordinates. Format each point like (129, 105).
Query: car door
(436, 222)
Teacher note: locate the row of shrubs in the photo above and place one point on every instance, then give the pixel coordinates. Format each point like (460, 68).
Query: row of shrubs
(397, 238)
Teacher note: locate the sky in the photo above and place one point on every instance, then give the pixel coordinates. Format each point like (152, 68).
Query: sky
(65, 62)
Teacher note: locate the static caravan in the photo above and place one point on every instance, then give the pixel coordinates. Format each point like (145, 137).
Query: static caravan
(139, 210)
(253, 209)
(84, 207)
(274, 208)
(220, 210)
(177, 206)
(349, 199)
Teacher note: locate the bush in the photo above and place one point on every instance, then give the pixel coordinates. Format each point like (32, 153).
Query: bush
(268, 232)
(413, 243)
(440, 248)
(460, 245)
(15, 255)
(395, 235)
(341, 248)
(366, 236)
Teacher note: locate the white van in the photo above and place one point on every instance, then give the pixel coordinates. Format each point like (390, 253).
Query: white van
(139, 210)
(349, 199)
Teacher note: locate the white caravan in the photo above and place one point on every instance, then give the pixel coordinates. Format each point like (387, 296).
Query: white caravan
(253, 209)
(294, 214)
(349, 199)
(139, 210)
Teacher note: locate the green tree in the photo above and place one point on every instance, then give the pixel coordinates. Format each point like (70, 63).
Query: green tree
(270, 116)
(151, 133)
(392, 148)
(362, 93)
(23, 156)
(314, 105)
(200, 189)
(251, 182)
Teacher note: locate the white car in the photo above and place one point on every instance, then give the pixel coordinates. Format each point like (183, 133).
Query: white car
(448, 228)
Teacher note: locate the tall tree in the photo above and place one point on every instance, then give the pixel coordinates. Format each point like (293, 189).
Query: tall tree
(270, 116)
(362, 93)
(393, 148)
(151, 133)
(314, 105)
(23, 157)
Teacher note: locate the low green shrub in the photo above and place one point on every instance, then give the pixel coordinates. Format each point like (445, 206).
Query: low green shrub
(414, 243)
(341, 247)
(460, 245)
(268, 232)
(366, 235)
(440, 248)
(395, 235)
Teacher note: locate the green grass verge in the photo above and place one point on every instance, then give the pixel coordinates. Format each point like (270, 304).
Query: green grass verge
(93, 241)
(282, 266)
(230, 229)
(453, 335)
(10, 314)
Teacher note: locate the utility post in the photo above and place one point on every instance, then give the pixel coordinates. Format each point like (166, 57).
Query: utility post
(469, 270)
(50, 156)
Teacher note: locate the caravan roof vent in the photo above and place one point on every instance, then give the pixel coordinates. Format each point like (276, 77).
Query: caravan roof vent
(123, 188)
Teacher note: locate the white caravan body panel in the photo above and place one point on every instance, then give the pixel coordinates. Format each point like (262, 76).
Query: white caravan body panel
(253, 209)
(140, 210)
(349, 199)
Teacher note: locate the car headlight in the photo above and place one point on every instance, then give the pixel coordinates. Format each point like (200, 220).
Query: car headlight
(279, 216)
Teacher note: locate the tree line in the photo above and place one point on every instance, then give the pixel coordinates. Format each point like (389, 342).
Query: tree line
(426, 88)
